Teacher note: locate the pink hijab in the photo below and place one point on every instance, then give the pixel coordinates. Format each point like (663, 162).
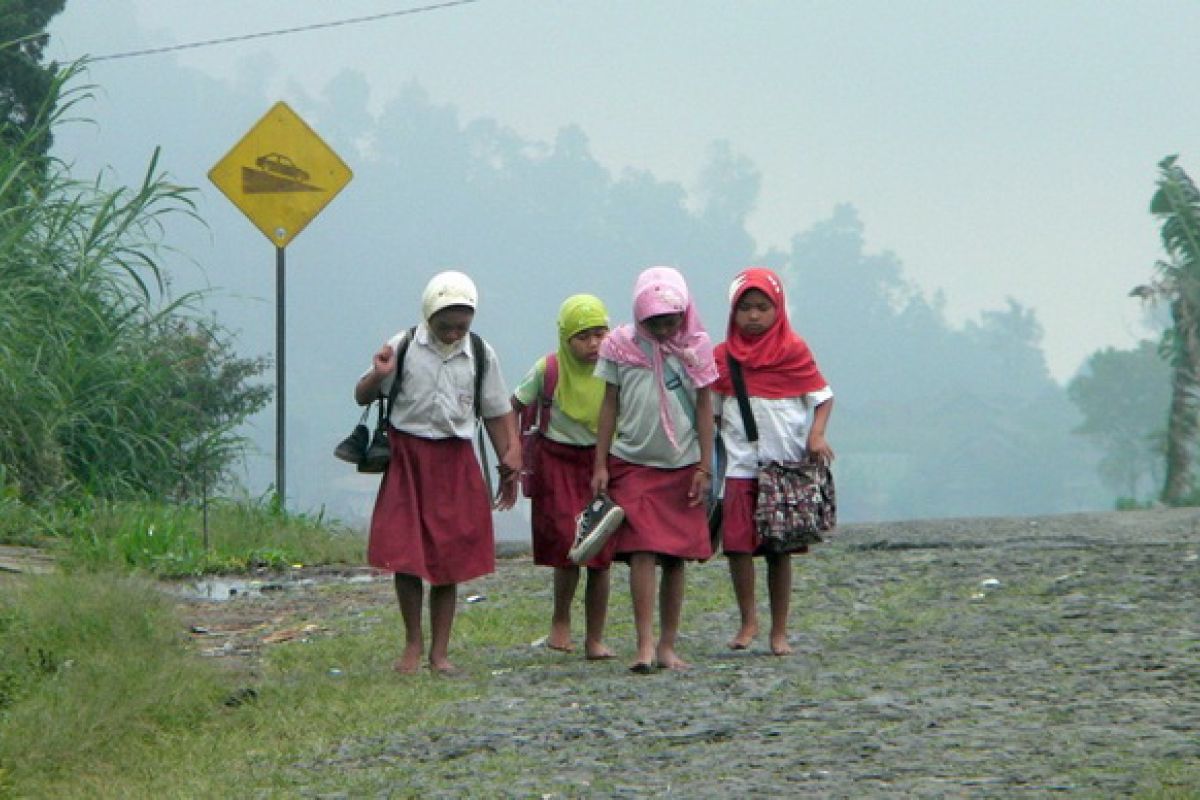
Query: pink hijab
(662, 290)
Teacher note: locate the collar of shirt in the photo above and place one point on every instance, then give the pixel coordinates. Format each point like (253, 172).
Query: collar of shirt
(424, 337)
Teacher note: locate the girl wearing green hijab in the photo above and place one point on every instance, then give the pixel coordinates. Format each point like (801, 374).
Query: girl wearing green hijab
(559, 485)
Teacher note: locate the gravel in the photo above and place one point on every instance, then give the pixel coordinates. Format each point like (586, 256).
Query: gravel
(991, 657)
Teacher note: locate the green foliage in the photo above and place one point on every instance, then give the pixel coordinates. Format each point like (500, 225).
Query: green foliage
(102, 660)
(107, 386)
(1177, 283)
(1124, 396)
(28, 89)
(169, 540)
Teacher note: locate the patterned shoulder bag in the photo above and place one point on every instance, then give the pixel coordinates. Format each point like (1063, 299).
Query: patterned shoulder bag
(796, 501)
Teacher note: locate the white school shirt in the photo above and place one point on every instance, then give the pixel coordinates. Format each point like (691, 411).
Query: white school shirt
(640, 437)
(560, 427)
(437, 393)
(783, 425)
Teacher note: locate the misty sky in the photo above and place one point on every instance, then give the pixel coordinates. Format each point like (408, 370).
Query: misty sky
(1020, 137)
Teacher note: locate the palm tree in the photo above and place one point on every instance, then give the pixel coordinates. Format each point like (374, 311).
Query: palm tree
(1177, 282)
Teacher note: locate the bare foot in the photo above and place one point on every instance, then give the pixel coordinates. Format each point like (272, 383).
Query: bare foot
(779, 645)
(645, 655)
(560, 639)
(597, 652)
(443, 667)
(667, 659)
(744, 637)
(409, 662)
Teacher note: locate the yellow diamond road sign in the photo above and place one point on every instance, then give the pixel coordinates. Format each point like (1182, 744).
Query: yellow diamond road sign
(280, 174)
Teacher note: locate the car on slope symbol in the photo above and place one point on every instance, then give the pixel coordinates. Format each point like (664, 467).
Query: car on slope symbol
(281, 165)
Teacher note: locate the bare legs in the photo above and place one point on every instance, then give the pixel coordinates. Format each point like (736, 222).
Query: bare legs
(643, 578)
(595, 606)
(566, 579)
(741, 570)
(779, 590)
(442, 599)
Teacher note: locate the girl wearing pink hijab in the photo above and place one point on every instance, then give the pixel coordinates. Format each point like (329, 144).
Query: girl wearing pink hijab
(653, 447)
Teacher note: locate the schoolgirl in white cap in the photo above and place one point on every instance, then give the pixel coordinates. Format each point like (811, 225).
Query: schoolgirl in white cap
(432, 519)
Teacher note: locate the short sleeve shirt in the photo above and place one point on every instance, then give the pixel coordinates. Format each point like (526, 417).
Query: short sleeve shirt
(640, 437)
(783, 425)
(437, 392)
(561, 428)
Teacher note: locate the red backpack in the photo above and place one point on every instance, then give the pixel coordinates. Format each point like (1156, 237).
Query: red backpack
(534, 419)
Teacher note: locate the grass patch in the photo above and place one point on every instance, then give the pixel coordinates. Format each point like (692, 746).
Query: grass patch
(102, 697)
(166, 540)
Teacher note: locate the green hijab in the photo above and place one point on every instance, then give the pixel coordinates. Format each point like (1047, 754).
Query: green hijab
(579, 392)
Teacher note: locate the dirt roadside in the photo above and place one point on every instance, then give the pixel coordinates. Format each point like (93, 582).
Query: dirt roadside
(993, 657)
(988, 657)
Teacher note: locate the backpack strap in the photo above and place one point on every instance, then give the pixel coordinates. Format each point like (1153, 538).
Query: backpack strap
(546, 396)
(479, 351)
(385, 409)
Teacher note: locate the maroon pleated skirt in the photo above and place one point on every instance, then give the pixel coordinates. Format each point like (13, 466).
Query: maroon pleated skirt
(433, 516)
(738, 534)
(658, 518)
(562, 489)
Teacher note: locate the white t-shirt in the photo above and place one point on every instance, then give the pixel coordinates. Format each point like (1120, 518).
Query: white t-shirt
(640, 437)
(783, 426)
(437, 392)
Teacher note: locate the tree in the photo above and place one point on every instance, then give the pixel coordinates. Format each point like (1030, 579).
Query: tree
(1177, 283)
(1123, 395)
(28, 88)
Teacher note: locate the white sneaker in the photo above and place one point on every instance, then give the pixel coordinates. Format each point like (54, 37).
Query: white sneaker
(594, 527)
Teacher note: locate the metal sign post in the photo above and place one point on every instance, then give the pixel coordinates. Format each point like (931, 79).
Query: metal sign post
(281, 175)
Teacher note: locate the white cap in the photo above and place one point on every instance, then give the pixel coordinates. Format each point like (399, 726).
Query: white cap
(446, 289)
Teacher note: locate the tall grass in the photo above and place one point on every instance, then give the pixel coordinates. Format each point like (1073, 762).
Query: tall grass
(108, 386)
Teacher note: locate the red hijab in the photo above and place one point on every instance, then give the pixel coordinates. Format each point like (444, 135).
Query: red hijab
(777, 362)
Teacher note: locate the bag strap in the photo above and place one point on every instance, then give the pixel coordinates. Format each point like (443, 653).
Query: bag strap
(686, 398)
(478, 350)
(385, 408)
(546, 395)
(743, 401)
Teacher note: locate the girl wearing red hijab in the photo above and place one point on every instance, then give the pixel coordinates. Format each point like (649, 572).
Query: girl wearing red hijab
(791, 403)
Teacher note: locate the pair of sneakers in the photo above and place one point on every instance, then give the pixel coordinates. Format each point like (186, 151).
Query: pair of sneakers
(594, 527)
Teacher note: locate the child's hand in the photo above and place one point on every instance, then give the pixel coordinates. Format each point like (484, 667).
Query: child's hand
(510, 462)
(599, 481)
(385, 360)
(506, 497)
(818, 448)
(699, 492)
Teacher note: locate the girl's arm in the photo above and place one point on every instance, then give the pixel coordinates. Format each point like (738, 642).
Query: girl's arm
(817, 446)
(502, 431)
(605, 427)
(384, 363)
(704, 429)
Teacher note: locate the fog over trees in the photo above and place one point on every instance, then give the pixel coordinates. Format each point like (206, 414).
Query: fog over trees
(932, 418)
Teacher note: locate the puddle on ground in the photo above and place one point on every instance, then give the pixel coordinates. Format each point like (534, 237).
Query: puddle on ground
(227, 587)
